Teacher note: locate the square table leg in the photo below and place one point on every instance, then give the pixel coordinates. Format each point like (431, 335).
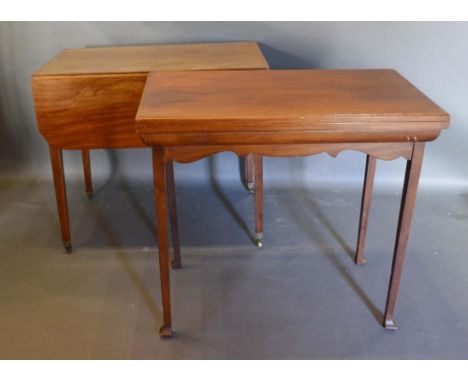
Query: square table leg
(159, 178)
(410, 186)
(365, 206)
(87, 172)
(258, 170)
(61, 195)
(176, 262)
(249, 160)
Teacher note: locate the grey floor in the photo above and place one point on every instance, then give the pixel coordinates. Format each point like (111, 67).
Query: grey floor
(300, 296)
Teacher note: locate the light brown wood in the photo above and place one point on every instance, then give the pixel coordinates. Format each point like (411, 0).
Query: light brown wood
(88, 112)
(285, 106)
(152, 58)
(408, 200)
(365, 207)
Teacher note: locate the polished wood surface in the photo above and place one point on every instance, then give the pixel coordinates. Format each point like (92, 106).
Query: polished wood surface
(88, 98)
(155, 58)
(188, 116)
(285, 106)
(88, 112)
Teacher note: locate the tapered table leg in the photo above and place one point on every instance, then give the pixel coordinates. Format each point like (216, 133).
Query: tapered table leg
(176, 262)
(159, 178)
(413, 170)
(61, 195)
(365, 206)
(250, 172)
(87, 172)
(258, 165)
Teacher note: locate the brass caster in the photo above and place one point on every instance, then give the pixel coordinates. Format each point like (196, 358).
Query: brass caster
(89, 193)
(259, 239)
(176, 264)
(165, 331)
(68, 246)
(390, 325)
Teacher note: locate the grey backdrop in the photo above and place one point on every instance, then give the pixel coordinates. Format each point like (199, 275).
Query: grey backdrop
(434, 56)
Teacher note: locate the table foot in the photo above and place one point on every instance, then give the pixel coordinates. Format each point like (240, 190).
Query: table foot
(251, 187)
(165, 331)
(176, 264)
(408, 199)
(68, 246)
(259, 239)
(89, 193)
(390, 325)
(360, 260)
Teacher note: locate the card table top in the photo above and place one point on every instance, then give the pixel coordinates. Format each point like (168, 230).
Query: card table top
(87, 98)
(188, 116)
(285, 106)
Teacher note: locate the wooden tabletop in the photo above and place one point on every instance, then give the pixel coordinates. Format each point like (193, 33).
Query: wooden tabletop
(364, 105)
(148, 58)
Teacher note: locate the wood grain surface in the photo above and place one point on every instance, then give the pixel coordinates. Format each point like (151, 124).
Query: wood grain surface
(285, 106)
(88, 112)
(88, 98)
(150, 58)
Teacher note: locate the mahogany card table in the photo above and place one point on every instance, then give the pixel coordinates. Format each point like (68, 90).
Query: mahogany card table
(87, 99)
(185, 116)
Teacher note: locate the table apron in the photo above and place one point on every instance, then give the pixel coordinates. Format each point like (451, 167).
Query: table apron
(384, 150)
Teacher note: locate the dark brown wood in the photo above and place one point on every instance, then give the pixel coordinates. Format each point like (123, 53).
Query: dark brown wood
(87, 172)
(88, 98)
(258, 165)
(385, 151)
(285, 107)
(359, 133)
(250, 173)
(365, 206)
(159, 167)
(176, 261)
(290, 113)
(408, 199)
(61, 195)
